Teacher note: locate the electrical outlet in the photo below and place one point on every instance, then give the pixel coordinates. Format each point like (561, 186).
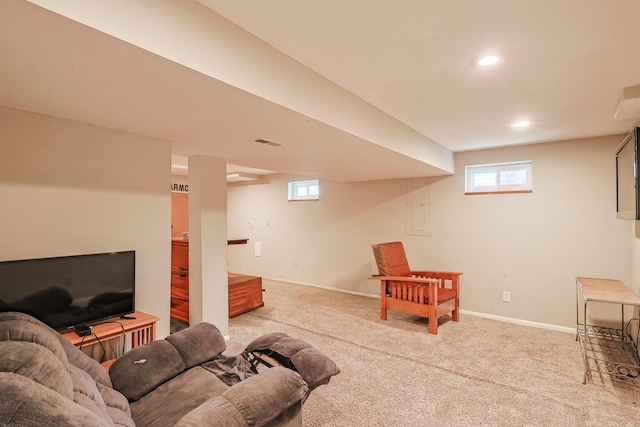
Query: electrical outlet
(506, 296)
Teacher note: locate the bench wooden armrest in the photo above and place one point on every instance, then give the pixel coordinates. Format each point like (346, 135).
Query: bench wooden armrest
(405, 279)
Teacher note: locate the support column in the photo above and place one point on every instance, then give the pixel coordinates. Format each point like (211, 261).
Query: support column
(208, 280)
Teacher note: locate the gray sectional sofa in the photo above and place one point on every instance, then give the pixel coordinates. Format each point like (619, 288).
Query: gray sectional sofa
(183, 380)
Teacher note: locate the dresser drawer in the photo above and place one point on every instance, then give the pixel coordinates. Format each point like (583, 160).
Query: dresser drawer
(180, 254)
(180, 280)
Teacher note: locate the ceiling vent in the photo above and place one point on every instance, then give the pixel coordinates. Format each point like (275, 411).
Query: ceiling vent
(267, 142)
(629, 103)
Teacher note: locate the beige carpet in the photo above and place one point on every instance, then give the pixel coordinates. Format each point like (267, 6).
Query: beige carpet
(476, 372)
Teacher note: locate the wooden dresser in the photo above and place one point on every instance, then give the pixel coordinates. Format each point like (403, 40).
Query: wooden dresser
(180, 280)
(245, 292)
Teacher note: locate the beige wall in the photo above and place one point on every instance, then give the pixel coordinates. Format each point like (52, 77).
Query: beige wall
(70, 188)
(532, 245)
(75, 188)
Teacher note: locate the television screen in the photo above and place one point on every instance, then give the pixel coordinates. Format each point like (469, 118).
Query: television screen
(627, 200)
(68, 291)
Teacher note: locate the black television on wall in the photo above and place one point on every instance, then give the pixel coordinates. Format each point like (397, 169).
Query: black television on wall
(69, 291)
(627, 184)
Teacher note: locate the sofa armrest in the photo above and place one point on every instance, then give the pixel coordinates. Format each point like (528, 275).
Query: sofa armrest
(256, 401)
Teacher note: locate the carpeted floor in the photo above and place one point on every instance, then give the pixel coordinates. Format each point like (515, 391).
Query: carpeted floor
(176, 326)
(477, 372)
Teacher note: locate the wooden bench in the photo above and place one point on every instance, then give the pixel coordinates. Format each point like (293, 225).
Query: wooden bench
(245, 293)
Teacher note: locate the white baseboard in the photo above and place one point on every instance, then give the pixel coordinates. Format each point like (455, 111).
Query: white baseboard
(521, 322)
(470, 313)
(362, 294)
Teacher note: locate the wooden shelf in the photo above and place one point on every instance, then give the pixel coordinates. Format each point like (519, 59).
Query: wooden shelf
(237, 241)
(229, 242)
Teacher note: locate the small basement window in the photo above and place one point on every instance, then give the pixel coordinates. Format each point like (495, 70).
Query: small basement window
(304, 190)
(513, 177)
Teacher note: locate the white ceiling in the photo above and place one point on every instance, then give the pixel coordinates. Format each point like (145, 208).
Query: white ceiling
(565, 66)
(565, 62)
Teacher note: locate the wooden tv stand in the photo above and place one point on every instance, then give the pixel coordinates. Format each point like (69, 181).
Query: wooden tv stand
(142, 330)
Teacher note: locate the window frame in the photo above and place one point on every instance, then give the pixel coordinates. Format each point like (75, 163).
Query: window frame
(294, 186)
(471, 171)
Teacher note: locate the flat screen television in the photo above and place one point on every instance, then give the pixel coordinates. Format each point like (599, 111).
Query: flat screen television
(627, 185)
(69, 291)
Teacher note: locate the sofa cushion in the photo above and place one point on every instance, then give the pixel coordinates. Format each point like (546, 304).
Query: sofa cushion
(33, 350)
(22, 327)
(86, 394)
(177, 397)
(230, 369)
(26, 403)
(117, 406)
(198, 343)
(36, 363)
(217, 411)
(84, 362)
(119, 418)
(144, 368)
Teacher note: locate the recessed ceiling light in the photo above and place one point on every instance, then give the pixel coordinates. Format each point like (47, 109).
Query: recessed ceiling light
(487, 60)
(520, 124)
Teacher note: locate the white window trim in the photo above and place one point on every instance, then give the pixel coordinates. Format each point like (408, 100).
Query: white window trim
(295, 187)
(471, 171)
